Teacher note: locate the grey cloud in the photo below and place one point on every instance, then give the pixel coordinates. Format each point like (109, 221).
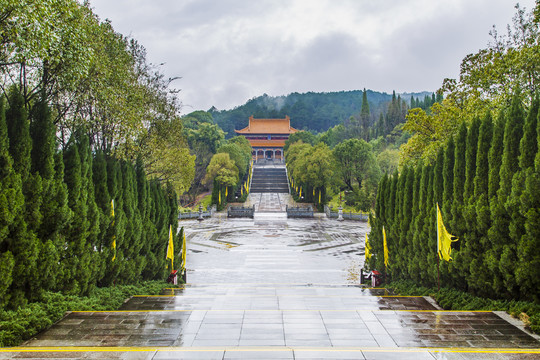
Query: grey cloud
(226, 51)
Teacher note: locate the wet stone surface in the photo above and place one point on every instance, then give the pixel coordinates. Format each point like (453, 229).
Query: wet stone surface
(272, 288)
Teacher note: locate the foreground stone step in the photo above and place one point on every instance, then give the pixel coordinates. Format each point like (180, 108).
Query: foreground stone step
(283, 315)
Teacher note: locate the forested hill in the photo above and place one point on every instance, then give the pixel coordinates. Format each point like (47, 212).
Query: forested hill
(309, 111)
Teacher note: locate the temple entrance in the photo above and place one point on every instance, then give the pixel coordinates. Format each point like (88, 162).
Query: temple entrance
(269, 154)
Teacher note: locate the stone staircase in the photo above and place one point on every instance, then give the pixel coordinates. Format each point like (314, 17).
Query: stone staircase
(269, 180)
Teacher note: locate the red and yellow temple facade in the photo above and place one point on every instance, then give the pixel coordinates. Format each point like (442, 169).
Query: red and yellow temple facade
(267, 137)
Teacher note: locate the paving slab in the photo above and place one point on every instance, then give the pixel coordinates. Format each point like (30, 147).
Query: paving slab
(274, 288)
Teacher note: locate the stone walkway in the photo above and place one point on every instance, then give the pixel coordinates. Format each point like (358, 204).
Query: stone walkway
(272, 288)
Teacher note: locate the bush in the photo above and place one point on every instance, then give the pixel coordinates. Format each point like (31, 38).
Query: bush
(19, 325)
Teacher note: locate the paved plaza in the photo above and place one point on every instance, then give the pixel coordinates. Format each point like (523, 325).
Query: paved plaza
(273, 288)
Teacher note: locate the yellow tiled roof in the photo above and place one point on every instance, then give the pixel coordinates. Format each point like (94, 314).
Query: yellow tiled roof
(268, 126)
(267, 143)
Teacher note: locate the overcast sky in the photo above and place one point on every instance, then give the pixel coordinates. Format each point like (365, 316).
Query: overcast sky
(228, 51)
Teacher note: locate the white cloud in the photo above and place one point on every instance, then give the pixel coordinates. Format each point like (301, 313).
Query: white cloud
(228, 51)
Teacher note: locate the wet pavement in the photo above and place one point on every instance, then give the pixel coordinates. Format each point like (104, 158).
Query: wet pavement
(273, 288)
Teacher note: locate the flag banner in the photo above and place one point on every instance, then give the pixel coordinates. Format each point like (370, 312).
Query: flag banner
(219, 197)
(113, 245)
(444, 238)
(226, 192)
(368, 249)
(241, 191)
(183, 250)
(385, 246)
(300, 194)
(319, 196)
(170, 247)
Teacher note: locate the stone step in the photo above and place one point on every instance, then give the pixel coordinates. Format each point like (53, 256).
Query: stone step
(268, 180)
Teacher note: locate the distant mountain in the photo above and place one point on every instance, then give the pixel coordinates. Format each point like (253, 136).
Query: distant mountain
(312, 111)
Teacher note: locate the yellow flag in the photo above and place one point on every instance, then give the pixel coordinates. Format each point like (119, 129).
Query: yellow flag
(313, 192)
(226, 191)
(241, 191)
(300, 194)
(113, 245)
(170, 247)
(385, 246)
(183, 250)
(368, 249)
(444, 239)
(319, 196)
(219, 197)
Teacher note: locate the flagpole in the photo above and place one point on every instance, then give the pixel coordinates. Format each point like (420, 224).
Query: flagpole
(438, 251)
(438, 277)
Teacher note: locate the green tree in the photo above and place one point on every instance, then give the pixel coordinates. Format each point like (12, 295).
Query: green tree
(502, 254)
(429, 132)
(305, 136)
(11, 201)
(223, 170)
(365, 116)
(479, 279)
(528, 146)
(238, 155)
(457, 226)
(166, 155)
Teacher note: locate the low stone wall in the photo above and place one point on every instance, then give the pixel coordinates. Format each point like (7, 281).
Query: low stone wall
(240, 211)
(333, 214)
(299, 212)
(195, 214)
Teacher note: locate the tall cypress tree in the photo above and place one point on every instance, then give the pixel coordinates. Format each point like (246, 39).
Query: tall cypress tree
(457, 226)
(528, 264)
(479, 279)
(504, 247)
(417, 261)
(77, 232)
(415, 209)
(103, 202)
(495, 155)
(438, 181)
(448, 179)
(53, 211)
(513, 133)
(18, 129)
(469, 239)
(11, 201)
(42, 131)
(407, 219)
(495, 160)
(528, 146)
(430, 230)
(364, 116)
(21, 241)
(528, 149)
(470, 159)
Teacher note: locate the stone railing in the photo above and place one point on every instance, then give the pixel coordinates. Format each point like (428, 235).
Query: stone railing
(240, 211)
(195, 214)
(333, 214)
(299, 212)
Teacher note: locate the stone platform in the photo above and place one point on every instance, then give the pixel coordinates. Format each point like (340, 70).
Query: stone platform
(277, 288)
